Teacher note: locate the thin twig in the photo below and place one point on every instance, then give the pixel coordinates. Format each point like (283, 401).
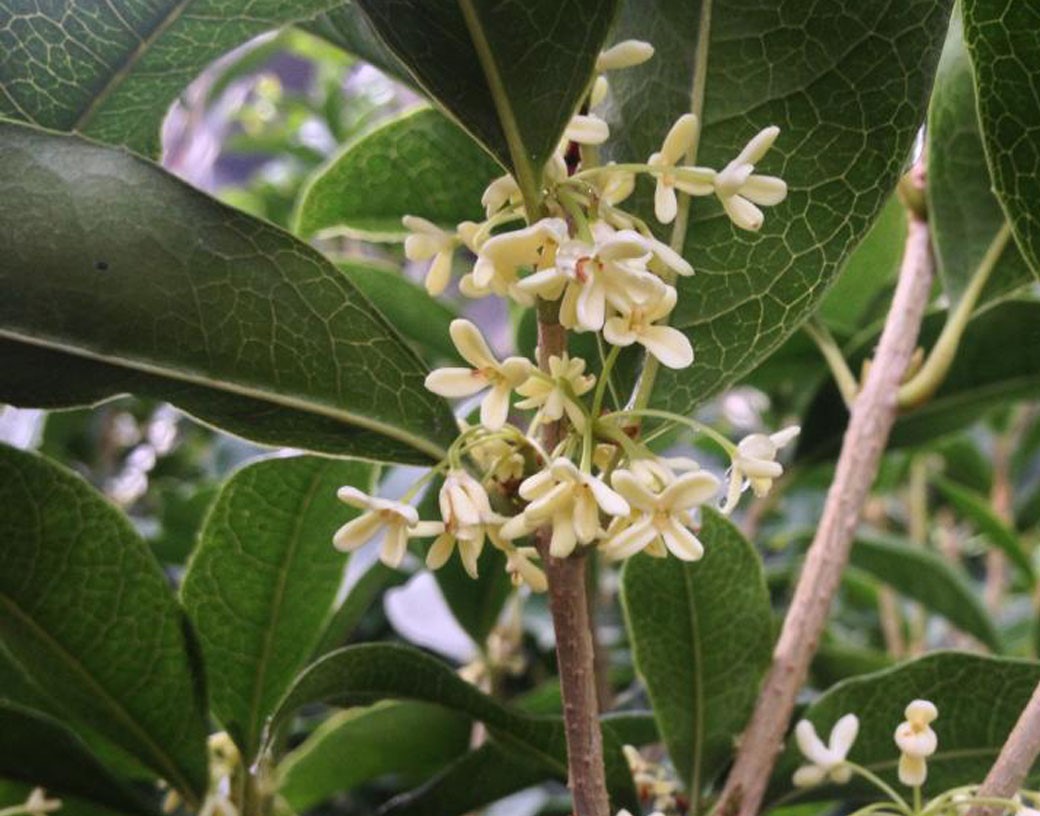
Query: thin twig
(1009, 772)
(872, 416)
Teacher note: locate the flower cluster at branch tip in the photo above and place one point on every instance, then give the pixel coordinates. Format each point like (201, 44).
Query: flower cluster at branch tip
(570, 248)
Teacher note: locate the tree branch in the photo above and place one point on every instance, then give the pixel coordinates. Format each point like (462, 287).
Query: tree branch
(872, 416)
(1009, 772)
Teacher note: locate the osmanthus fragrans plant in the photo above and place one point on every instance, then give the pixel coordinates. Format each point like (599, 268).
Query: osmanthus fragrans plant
(627, 208)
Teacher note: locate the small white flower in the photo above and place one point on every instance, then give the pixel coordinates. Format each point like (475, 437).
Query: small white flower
(625, 54)
(663, 514)
(755, 461)
(502, 255)
(426, 241)
(740, 190)
(498, 459)
(487, 372)
(468, 520)
(398, 518)
(522, 570)
(586, 129)
(825, 761)
(503, 190)
(614, 186)
(568, 499)
(690, 180)
(37, 804)
(916, 741)
(552, 393)
(639, 325)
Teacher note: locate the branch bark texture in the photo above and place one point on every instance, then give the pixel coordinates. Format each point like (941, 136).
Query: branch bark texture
(870, 423)
(1009, 772)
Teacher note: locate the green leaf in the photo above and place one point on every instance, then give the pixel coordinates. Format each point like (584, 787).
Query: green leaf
(996, 363)
(363, 593)
(977, 508)
(146, 285)
(420, 164)
(931, 580)
(701, 635)
(369, 672)
(835, 661)
(512, 74)
(352, 747)
(1004, 40)
(965, 217)
(110, 71)
(89, 616)
(407, 307)
(847, 83)
(37, 749)
(979, 700)
(262, 584)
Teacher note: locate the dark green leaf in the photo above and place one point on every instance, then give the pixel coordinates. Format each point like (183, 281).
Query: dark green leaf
(418, 164)
(835, 661)
(512, 74)
(996, 363)
(965, 217)
(847, 83)
(701, 635)
(262, 583)
(110, 71)
(1004, 40)
(352, 747)
(931, 580)
(37, 749)
(89, 616)
(979, 700)
(370, 672)
(146, 285)
(363, 593)
(977, 508)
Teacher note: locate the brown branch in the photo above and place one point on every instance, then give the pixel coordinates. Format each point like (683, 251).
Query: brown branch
(1009, 772)
(568, 603)
(871, 420)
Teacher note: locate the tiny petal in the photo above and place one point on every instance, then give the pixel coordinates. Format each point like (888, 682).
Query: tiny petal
(743, 213)
(471, 344)
(440, 551)
(625, 54)
(679, 139)
(764, 190)
(810, 744)
(843, 734)
(357, 532)
(670, 346)
(666, 205)
(808, 776)
(455, 382)
(913, 770)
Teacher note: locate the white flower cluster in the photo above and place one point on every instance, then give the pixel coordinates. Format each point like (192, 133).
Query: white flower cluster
(602, 270)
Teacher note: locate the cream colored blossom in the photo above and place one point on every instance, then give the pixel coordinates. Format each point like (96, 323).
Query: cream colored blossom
(825, 761)
(396, 518)
(554, 394)
(487, 372)
(664, 164)
(625, 54)
(523, 571)
(739, 189)
(503, 190)
(755, 462)
(498, 459)
(586, 129)
(501, 256)
(916, 741)
(639, 324)
(664, 514)
(568, 499)
(38, 803)
(426, 241)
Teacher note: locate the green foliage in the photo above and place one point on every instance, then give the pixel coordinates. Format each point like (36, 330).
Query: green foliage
(418, 164)
(262, 583)
(167, 293)
(847, 85)
(77, 587)
(111, 71)
(1005, 48)
(701, 635)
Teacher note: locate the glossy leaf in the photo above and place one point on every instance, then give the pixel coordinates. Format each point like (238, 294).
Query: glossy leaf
(419, 164)
(926, 577)
(363, 593)
(996, 363)
(110, 71)
(37, 749)
(146, 285)
(965, 216)
(511, 74)
(262, 584)
(1004, 42)
(77, 585)
(352, 747)
(979, 700)
(701, 635)
(847, 83)
(369, 672)
(977, 509)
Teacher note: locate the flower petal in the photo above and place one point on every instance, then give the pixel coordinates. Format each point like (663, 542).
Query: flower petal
(395, 545)
(495, 407)
(631, 540)
(679, 139)
(666, 206)
(913, 770)
(564, 538)
(690, 490)
(455, 382)
(743, 213)
(680, 542)
(668, 345)
(843, 735)
(811, 745)
(808, 776)
(471, 344)
(764, 190)
(440, 551)
(357, 532)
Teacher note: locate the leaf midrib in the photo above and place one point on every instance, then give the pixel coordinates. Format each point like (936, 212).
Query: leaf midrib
(283, 400)
(172, 770)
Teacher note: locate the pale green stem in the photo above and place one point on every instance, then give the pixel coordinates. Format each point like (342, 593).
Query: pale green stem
(828, 346)
(933, 373)
(699, 427)
(604, 378)
(940, 802)
(603, 367)
(878, 782)
(917, 799)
